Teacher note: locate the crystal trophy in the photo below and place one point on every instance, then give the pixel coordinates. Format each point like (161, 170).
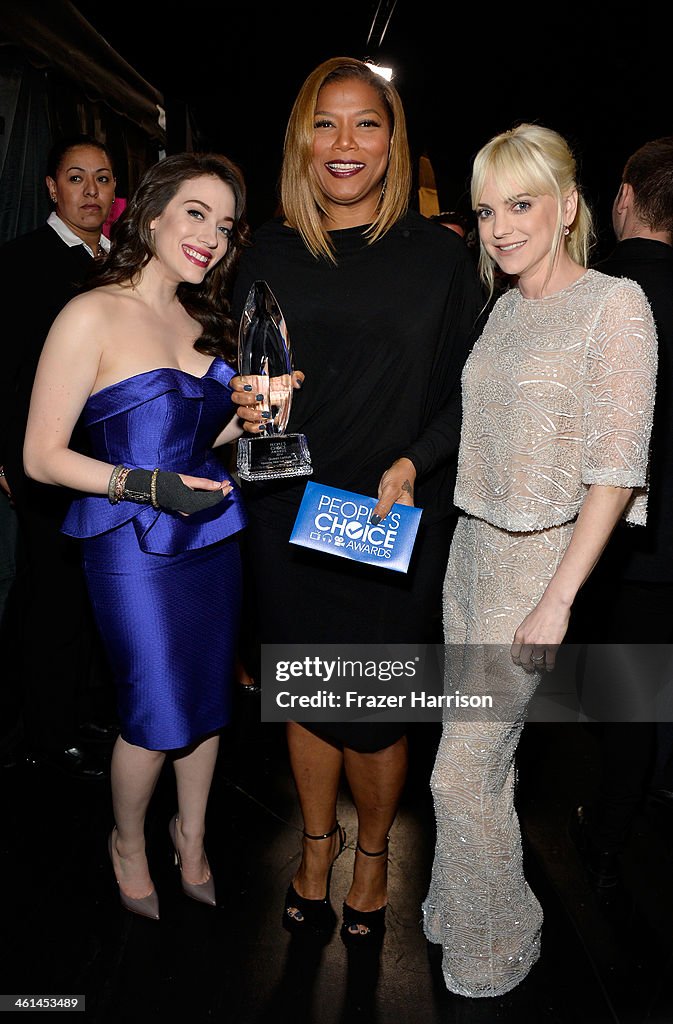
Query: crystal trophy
(264, 357)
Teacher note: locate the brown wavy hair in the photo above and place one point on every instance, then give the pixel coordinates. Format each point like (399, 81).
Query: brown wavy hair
(133, 245)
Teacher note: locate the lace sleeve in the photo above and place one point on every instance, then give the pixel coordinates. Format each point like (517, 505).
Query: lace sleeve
(620, 381)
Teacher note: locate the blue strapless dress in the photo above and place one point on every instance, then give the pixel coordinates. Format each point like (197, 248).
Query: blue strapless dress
(164, 587)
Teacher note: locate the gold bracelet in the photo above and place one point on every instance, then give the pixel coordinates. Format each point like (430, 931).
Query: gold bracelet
(120, 484)
(112, 495)
(153, 488)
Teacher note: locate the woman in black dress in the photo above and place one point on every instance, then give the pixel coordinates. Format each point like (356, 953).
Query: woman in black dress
(380, 306)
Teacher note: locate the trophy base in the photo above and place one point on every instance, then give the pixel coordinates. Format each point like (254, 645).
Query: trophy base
(274, 457)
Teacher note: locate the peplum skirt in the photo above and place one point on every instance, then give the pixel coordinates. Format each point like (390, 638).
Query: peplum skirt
(169, 624)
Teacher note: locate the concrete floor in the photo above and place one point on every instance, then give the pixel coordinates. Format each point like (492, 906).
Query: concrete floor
(603, 962)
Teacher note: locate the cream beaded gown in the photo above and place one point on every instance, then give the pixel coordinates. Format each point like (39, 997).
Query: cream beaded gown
(557, 395)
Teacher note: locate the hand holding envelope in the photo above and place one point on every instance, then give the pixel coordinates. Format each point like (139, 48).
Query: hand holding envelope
(339, 522)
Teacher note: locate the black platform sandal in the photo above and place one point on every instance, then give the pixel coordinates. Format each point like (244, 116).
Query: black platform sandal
(362, 928)
(302, 916)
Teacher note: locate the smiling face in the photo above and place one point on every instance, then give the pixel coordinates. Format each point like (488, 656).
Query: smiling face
(518, 230)
(350, 150)
(83, 190)
(192, 234)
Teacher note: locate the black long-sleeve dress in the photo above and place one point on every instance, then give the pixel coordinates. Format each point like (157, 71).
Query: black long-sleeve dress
(382, 337)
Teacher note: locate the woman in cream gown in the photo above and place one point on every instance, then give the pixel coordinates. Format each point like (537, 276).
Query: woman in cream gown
(557, 407)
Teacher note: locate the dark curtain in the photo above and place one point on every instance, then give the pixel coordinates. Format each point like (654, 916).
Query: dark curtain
(24, 143)
(39, 106)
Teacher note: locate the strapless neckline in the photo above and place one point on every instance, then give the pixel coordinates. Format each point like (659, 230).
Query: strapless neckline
(145, 373)
(165, 417)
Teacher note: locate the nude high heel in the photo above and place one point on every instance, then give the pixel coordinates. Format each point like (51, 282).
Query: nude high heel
(146, 906)
(202, 892)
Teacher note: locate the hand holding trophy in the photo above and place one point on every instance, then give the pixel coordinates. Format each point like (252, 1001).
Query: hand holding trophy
(264, 359)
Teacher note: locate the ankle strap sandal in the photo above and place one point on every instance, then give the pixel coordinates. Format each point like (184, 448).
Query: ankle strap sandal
(362, 928)
(302, 916)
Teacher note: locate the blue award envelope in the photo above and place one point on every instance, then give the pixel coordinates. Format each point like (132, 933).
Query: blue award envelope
(337, 522)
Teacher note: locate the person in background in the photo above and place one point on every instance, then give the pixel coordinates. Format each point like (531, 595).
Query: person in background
(10, 716)
(380, 308)
(118, 207)
(629, 598)
(144, 357)
(557, 410)
(58, 664)
(454, 220)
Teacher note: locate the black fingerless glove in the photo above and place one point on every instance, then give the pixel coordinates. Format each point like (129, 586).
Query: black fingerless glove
(161, 489)
(175, 496)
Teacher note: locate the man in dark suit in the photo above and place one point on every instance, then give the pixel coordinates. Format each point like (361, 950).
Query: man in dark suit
(48, 623)
(628, 601)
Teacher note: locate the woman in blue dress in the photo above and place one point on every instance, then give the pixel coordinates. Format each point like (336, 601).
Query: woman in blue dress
(145, 358)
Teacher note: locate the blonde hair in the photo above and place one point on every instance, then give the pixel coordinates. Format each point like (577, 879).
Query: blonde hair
(542, 163)
(301, 196)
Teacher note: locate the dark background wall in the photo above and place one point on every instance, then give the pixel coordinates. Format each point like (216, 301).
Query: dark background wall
(59, 77)
(599, 73)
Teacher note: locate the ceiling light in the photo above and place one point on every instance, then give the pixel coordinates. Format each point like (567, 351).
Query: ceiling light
(386, 73)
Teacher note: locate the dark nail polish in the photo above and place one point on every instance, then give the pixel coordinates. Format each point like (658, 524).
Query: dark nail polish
(374, 519)
(259, 398)
(266, 414)
(247, 387)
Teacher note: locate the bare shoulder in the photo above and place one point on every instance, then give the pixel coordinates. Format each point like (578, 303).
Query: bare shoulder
(87, 305)
(106, 298)
(94, 311)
